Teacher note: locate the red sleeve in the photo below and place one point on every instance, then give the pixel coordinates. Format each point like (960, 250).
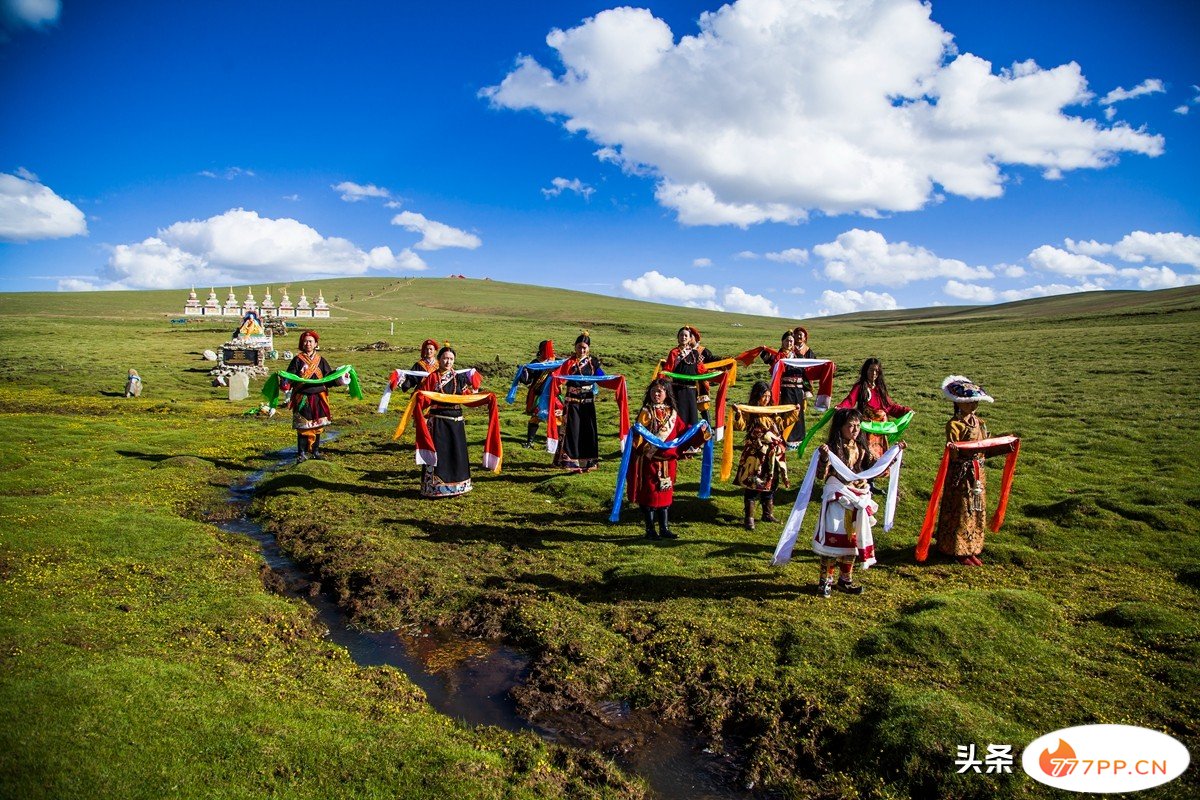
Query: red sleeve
(669, 366)
(894, 409)
(851, 399)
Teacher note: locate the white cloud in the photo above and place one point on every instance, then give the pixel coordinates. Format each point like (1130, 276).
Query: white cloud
(239, 247)
(31, 210)
(1012, 295)
(1089, 248)
(29, 13)
(969, 291)
(701, 262)
(859, 257)
(849, 301)
(1181, 109)
(1148, 86)
(746, 255)
(738, 301)
(793, 255)
(228, 174)
(77, 285)
(1013, 271)
(1140, 246)
(353, 192)
(1061, 262)
(560, 185)
(653, 285)
(1158, 277)
(435, 235)
(291, 197)
(775, 109)
(1169, 248)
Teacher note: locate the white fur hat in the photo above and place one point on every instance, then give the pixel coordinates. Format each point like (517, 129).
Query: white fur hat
(961, 389)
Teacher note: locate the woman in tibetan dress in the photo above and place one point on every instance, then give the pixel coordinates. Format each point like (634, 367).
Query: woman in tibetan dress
(428, 363)
(579, 440)
(870, 397)
(686, 359)
(962, 518)
(794, 386)
(536, 381)
(763, 464)
(846, 508)
(309, 402)
(651, 480)
(452, 475)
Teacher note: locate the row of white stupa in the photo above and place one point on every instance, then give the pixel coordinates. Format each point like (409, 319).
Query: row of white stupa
(232, 308)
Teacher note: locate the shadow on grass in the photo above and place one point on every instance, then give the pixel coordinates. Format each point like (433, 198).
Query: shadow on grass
(281, 483)
(646, 586)
(548, 530)
(529, 532)
(155, 458)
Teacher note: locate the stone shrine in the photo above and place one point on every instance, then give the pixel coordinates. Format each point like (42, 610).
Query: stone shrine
(247, 352)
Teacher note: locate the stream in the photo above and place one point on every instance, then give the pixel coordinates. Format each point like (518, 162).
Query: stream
(471, 679)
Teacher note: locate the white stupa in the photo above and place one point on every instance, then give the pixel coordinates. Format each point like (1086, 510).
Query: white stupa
(249, 304)
(192, 307)
(268, 305)
(232, 307)
(303, 309)
(321, 309)
(285, 305)
(212, 306)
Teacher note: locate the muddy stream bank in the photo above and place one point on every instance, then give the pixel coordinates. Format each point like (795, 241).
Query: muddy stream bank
(471, 680)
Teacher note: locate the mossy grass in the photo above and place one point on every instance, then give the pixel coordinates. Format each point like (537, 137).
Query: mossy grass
(1080, 615)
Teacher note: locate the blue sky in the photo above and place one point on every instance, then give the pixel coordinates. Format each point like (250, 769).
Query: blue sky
(786, 158)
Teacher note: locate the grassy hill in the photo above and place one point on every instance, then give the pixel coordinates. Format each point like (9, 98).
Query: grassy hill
(1083, 613)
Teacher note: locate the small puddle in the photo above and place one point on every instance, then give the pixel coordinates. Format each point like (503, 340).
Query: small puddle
(471, 680)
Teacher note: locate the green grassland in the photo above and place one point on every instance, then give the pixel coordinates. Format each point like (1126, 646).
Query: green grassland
(141, 653)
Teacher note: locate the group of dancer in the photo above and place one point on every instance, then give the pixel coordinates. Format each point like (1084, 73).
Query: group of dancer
(676, 419)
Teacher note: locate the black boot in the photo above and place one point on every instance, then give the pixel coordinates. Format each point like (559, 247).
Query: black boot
(648, 518)
(769, 507)
(301, 449)
(316, 449)
(663, 530)
(530, 430)
(748, 501)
